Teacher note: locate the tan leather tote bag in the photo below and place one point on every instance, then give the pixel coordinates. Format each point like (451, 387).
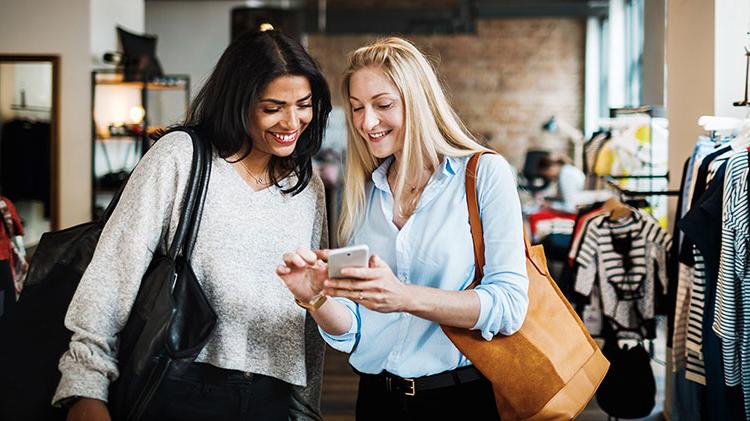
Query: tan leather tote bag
(549, 369)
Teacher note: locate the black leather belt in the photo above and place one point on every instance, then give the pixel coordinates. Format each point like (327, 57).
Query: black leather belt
(410, 387)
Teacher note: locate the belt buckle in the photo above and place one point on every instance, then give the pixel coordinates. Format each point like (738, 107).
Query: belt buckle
(413, 391)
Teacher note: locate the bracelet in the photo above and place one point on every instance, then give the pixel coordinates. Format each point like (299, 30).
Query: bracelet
(314, 304)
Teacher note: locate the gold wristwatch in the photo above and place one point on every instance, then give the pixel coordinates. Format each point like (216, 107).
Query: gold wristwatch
(314, 304)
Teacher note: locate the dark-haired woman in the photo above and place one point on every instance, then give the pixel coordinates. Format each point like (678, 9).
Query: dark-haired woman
(264, 110)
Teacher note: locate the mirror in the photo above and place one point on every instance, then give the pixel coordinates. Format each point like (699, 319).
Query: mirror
(29, 116)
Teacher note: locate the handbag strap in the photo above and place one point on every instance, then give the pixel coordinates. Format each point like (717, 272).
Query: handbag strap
(195, 197)
(475, 220)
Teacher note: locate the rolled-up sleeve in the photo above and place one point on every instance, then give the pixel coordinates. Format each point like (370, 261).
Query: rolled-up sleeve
(503, 292)
(348, 340)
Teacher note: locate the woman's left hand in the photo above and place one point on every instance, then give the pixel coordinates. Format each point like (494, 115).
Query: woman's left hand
(375, 287)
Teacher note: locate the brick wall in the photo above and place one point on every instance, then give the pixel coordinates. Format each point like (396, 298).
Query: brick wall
(504, 81)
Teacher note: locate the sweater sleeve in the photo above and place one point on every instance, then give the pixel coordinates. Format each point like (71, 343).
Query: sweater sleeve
(305, 403)
(102, 302)
(320, 224)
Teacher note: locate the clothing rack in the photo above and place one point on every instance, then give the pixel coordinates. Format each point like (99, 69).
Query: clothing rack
(745, 102)
(634, 193)
(25, 107)
(651, 112)
(18, 107)
(636, 177)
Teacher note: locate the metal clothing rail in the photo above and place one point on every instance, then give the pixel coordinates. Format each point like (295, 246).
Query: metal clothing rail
(645, 176)
(634, 193)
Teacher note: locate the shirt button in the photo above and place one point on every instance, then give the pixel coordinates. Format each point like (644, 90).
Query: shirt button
(248, 375)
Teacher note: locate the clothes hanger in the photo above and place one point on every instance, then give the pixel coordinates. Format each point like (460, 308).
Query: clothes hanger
(616, 209)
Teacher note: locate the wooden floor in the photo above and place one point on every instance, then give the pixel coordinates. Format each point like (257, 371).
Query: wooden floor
(339, 387)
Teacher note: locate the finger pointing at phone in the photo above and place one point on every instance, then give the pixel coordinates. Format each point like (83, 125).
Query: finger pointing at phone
(303, 273)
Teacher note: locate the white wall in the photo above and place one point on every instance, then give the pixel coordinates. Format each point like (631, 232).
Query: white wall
(732, 22)
(61, 28)
(71, 29)
(705, 69)
(106, 15)
(34, 80)
(191, 35)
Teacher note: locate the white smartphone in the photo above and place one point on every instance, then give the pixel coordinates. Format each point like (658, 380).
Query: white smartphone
(347, 257)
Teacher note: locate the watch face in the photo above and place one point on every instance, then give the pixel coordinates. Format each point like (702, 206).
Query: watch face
(318, 301)
(314, 304)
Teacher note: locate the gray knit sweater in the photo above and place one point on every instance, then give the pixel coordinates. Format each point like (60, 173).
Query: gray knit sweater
(242, 237)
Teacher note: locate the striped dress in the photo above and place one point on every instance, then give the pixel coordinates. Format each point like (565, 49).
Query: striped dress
(733, 285)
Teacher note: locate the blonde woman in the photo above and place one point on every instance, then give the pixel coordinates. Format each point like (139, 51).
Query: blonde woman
(405, 198)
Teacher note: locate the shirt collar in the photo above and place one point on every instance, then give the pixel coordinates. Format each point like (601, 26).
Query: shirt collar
(380, 175)
(448, 167)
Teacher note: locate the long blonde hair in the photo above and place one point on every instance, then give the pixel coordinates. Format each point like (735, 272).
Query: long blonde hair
(431, 129)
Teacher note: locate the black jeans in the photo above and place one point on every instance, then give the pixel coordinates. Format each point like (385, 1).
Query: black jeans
(474, 400)
(206, 392)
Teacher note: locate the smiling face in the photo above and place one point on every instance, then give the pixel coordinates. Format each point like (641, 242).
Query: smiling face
(282, 113)
(377, 111)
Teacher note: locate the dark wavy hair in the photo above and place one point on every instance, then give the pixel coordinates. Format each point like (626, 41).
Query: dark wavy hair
(221, 109)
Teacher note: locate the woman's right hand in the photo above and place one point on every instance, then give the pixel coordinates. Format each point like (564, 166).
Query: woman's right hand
(88, 409)
(304, 272)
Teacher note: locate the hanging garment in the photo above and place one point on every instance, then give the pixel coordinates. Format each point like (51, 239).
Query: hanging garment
(591, 150)
(682, 266)
(673, 258)
(549, 221)
(691, 256)
(11, 244)
(686, 397)
(580, 227)
(624, 153)
(733, 283)
(628, 257)
(25, 161)
(702, 226)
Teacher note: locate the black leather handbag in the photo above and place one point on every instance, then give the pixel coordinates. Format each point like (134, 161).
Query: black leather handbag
(171, 318)
(170, 322)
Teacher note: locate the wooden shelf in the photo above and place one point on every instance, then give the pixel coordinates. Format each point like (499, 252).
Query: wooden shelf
(151, 86)
(119, 138)
(116, 79)
(127, 141)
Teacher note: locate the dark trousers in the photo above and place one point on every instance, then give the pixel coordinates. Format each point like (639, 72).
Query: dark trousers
(474, 400)
(7, 290)
(206, 392)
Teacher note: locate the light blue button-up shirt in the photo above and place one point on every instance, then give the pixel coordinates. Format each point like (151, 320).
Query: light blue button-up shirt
(434, 249)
